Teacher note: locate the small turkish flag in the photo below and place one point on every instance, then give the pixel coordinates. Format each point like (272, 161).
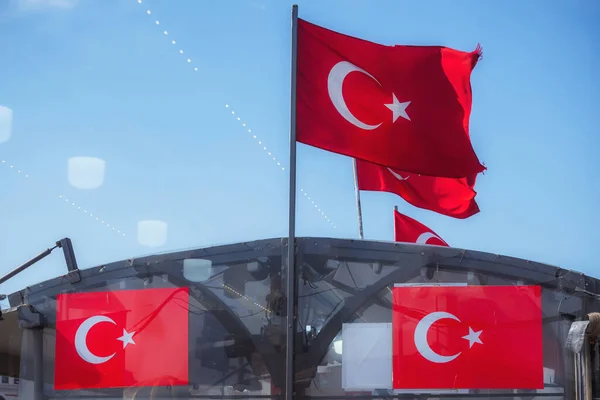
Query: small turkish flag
(404, 107)
(454, 197)
(409, 230)
(121, 338)
(467, 337)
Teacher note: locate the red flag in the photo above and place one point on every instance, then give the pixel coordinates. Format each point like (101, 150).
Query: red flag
(453, 197)
(121, 338)
(467, 337)
(405, 107)
(409, 230)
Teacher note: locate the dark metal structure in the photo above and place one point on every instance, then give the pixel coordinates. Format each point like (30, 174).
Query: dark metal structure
(238, 311)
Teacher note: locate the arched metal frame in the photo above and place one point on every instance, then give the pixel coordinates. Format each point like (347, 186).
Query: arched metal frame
(408, 259)
(151, 266)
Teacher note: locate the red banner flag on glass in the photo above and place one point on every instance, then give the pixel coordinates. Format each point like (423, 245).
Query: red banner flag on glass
(404, 107)
(453, 197)
(409, 230)
(122, 338)
(467, 337)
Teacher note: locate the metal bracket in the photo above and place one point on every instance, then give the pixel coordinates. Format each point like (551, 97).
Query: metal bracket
(73, 275)
(29, 318)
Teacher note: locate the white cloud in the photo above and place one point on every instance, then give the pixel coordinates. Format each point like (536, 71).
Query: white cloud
(44, 4)
(5, 123)
(152, 233)
(86, 172)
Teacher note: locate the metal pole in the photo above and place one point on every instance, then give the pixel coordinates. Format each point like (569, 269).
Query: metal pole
(291, 256)
(28, 264)
(587, 368)
(38, 363)
(394, 221)
(358, 207)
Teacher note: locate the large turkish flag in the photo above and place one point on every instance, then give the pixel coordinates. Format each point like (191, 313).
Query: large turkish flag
(467, 337)
(121, 338)
(404, 107)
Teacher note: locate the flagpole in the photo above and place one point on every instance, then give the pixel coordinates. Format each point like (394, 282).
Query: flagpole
(394, 221)
(291, 254)
(358, 207)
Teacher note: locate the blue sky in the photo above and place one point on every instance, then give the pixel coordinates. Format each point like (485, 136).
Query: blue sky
(99, 78)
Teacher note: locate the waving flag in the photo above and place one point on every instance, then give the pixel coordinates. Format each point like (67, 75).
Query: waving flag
(409, 230)
(404, 107)
(454, 197)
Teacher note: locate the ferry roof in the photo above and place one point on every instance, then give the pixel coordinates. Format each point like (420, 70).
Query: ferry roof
(339, 280)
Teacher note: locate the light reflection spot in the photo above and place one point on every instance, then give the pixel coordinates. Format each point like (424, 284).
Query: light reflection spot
(86, 172)
(152, 233)
(197, 269)
(6, 115)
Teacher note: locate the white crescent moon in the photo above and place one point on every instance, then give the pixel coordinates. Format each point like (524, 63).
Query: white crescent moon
(335, 81)
(398, 176)
(81, 338)
(425, 236)
(421, 337)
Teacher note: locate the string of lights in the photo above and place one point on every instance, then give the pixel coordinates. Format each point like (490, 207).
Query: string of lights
(232, 290)
(246, 128)
(275, 160)
(75, 206)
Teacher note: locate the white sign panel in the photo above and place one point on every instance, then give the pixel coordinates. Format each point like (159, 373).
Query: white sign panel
(367, 356)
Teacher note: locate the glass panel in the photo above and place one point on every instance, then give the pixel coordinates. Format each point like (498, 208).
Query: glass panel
(234, 334)
(342, 283)
(224, 310)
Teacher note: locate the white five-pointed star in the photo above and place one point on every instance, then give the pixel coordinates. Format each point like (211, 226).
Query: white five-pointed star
(398, 109)
(473, 337)
(127, 338)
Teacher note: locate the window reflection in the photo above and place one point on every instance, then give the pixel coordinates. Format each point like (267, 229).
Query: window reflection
(328, 298)
(6, 115)
(237, 328)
